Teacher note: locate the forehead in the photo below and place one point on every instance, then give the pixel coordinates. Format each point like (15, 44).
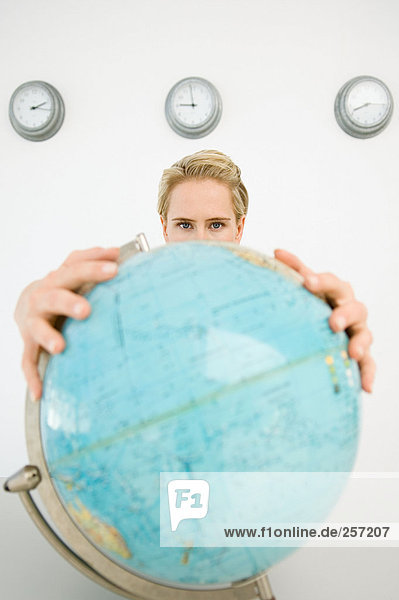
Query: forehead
(200, 197)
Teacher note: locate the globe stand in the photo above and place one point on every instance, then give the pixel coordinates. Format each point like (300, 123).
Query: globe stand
(85, 556)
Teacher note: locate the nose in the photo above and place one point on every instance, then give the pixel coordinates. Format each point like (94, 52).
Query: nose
(202, 234)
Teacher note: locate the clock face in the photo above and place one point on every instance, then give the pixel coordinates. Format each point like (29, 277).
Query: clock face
(193, 107)
(363, 106)
(32, 106)
(367, 103)
(192, 103)
(36, 110)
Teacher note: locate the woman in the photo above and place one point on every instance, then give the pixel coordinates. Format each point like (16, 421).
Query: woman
(201, 197)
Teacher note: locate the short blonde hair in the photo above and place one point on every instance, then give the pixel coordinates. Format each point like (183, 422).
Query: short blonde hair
(204, 164)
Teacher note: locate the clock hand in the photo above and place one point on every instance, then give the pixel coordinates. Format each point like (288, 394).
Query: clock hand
(188, 105)
(367, 104)
(38, 105)
(40, 108)
(192, 97)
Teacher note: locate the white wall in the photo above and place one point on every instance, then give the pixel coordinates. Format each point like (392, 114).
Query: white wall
(278, 65)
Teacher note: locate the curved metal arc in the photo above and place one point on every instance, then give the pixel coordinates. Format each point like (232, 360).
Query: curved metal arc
(98, 563)
(64, 550)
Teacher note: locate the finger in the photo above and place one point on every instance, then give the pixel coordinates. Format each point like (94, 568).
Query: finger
(359, 344)
(29, 368)
(292, 261)
(367, 370)
(351, 314)
(44, 335)
(336, 291)
(58, 301)
(96, 253)
(77, 274)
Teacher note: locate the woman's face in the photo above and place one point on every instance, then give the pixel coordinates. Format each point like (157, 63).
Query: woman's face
(201, 210)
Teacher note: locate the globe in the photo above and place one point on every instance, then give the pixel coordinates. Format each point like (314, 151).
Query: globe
(196, 357)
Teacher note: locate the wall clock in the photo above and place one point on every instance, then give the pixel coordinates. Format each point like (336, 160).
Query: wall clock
(193, 107)
(36, 110)
(363, 106)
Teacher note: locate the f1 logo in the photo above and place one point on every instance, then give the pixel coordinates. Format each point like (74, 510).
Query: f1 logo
(188, 499)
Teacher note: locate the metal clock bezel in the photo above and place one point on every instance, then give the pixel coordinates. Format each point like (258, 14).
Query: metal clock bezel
(196, 131)
(52, 125)
(347, 123)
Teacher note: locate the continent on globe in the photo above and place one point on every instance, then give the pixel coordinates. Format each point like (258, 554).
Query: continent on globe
(102, 534)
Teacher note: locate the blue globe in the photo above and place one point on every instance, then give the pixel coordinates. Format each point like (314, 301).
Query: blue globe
(196, 357)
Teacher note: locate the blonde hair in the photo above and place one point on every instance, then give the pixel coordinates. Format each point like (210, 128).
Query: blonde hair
(204, 164)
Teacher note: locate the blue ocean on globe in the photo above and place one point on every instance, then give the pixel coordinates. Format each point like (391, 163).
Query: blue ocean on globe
(196, 357)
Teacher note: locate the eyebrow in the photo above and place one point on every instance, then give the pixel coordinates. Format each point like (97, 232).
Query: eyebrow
(193, 220)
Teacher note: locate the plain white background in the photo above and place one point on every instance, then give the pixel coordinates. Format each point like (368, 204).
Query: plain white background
(329, 198)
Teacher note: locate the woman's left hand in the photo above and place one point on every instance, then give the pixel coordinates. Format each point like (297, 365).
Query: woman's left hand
(348, 313)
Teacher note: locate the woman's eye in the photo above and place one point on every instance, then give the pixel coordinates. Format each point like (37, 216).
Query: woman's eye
(183, 225)
(219, 225)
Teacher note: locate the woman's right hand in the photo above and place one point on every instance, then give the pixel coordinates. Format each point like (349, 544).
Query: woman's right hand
(42, 301)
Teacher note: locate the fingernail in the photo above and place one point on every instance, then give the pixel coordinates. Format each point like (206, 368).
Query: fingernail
(51, 346)
(340, 323)
(78, 309)
(33, 396)
(109, 268)
(359, 351)
(312, 281)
